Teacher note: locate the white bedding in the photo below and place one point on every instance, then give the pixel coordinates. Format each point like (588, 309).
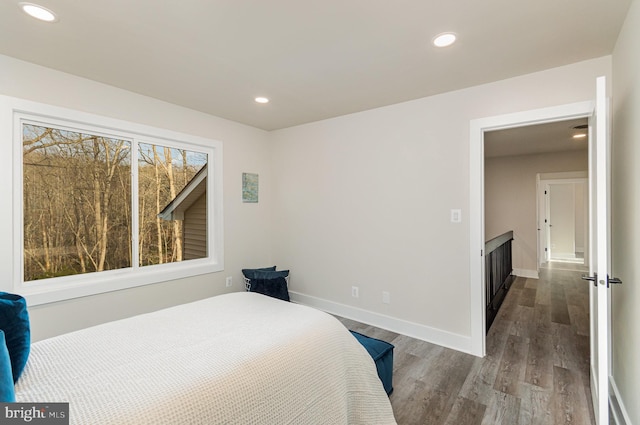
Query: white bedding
(240, 358)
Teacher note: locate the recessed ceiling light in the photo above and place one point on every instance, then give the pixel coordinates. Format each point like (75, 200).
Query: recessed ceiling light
(261, 99)
(580, 135)
(38, 12)
(445, 39)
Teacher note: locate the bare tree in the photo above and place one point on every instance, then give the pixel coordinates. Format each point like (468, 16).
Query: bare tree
(77, 202)
(177, 224)
(156, 162)
(69, 193)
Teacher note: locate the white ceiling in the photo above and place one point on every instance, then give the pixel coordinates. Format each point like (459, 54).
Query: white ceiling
(314, 59)
(536, 139)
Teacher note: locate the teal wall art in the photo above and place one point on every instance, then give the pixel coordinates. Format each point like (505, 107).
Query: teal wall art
(249, 188)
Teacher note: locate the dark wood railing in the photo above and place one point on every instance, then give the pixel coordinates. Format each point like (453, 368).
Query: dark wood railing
(498, 277)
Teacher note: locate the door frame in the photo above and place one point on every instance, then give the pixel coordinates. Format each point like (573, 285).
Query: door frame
(476, 198)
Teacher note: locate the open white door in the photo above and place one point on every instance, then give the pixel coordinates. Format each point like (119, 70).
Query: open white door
(599, 243)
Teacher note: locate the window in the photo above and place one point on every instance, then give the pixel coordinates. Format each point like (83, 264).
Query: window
(106, 204)
(172, 205)
(76, 207)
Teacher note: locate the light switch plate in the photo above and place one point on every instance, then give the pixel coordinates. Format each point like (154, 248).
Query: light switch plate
(456, 216)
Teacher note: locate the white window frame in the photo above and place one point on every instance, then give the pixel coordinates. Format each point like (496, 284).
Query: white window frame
(13, 112)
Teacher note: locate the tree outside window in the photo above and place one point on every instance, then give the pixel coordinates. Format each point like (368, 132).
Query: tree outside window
(77, 201)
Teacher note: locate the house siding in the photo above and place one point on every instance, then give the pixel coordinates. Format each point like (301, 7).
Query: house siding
(195, 229)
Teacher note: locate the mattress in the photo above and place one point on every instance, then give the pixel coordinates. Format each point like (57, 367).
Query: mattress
(240, 358)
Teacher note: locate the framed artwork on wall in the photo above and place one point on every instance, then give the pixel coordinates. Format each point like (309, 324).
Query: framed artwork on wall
(250, 188)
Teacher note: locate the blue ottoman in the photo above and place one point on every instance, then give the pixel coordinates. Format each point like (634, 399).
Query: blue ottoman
(382, 354)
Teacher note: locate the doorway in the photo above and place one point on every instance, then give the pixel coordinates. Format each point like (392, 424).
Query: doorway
(479, 128)
(563, 219)
(599, 147)
(515, 159)
(561, 223)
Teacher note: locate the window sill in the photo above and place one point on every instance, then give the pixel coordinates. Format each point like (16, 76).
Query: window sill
(43, 292)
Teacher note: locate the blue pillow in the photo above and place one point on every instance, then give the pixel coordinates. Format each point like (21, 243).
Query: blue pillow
(250, 273)
(14, 321)
(271, 283)
(7, 393)
(270, 274)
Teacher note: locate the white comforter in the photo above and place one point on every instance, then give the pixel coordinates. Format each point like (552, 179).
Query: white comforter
(240, 358)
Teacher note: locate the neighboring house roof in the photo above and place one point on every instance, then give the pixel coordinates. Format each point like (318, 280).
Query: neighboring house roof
(196, 187)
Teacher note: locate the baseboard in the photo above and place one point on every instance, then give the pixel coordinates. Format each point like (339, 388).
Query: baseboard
(410, 329)
(619, 412)
(563, 256)
(531, 274)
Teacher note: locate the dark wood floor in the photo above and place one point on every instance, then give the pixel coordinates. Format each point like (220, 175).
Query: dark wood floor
(536, 370)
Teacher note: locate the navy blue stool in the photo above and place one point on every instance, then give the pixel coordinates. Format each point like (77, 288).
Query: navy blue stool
(382, 354)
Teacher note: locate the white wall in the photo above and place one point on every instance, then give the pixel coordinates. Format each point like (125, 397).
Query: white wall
(510, 198)
(365, 200)
(625, 215)
(247, 226)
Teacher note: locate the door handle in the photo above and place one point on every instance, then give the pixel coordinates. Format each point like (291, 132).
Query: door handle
(614, 280)
(593, 279)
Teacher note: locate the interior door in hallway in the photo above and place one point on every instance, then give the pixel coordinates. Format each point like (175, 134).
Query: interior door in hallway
(561, 221)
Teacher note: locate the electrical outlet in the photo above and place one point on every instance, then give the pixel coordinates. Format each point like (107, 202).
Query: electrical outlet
(386, 297)
(228, 281)
(355, 292)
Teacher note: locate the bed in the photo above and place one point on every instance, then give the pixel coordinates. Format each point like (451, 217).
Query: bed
(240, 358)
